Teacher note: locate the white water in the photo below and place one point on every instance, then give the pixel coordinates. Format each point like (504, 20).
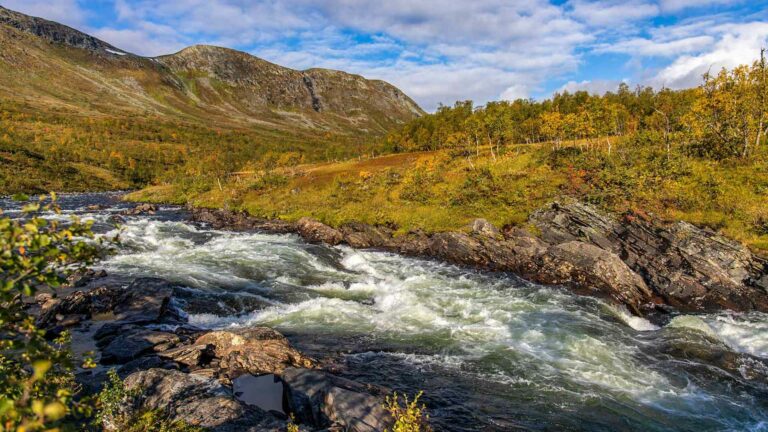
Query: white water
(525, 350)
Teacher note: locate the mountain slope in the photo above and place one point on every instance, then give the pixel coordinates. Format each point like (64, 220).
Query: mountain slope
(59, 76)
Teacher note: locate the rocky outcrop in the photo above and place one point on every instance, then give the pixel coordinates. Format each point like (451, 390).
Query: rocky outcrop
(686, 267)
(631, 261)
(323, 400)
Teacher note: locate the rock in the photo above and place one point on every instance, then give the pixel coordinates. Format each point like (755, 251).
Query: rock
(144, 300)
(588, 267)
(484, 228)
(141, 209)
(686, 267)
(321, 400)
(95, 207)
(363, 236)
(82, 278)
(223, 219)
(254, 351)
(144, 363)
(317, 232)
(77, 303)
(189, 355)
(198, 401)
(127, 347)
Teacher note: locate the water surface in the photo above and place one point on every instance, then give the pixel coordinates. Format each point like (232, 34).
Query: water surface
(491, 351)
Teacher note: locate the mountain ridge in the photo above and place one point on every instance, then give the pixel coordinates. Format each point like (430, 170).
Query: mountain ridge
(234, 86)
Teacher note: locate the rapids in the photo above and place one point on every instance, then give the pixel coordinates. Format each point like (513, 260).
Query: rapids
(490, 351)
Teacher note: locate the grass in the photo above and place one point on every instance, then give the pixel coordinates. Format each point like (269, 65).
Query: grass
(439, 191)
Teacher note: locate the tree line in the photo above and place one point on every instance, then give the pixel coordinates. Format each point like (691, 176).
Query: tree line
(724, 117)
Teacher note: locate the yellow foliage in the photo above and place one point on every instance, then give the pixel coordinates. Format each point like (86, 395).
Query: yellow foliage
(408, 416)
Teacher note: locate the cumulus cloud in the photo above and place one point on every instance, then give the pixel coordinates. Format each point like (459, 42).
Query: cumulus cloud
(736, 44)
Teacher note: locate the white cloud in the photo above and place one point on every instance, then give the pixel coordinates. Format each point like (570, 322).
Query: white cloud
(736, 44)
(597, 87)
(612, 13)
(64, 11)
(678, 5)
(652, 48)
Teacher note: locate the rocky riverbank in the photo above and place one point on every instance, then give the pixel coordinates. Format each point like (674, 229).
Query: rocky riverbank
(631, 259)
(191, 374)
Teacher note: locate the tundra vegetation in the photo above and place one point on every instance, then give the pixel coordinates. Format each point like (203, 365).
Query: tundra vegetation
(697, 155)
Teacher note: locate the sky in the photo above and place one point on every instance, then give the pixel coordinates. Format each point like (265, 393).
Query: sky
(439, 52)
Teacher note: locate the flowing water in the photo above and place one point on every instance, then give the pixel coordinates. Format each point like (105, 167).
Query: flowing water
(491, 351)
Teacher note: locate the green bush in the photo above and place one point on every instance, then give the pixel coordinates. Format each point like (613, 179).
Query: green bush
(37, 385)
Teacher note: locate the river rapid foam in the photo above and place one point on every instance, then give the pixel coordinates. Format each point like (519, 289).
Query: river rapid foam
(491, 351)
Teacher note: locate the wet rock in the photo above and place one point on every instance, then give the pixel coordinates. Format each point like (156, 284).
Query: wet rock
(127, 347)
(254, 351)
(316, 232)
(141, 209)
(198, 401)
(322, 400)
(82, 278)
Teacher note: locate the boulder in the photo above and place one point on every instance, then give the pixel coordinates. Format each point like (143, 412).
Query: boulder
(316, 232)
(145, 300)
(224, 219)
(254, 351)
(363, 236)
(198, 401)
(586, 266)
(83, 302)
(141, 209)
(127, 347)
(321, 400)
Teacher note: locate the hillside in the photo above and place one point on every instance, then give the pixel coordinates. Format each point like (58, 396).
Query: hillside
(58, 85)
(698, 155)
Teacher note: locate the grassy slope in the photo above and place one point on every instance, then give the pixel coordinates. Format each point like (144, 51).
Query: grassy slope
(435, 191)
(72, 120)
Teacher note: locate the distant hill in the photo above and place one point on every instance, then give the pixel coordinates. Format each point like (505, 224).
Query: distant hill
(65, 80)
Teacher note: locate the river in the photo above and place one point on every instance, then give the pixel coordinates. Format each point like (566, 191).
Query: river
(490, 351)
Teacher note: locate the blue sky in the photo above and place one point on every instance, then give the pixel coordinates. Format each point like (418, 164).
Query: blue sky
(443, 51)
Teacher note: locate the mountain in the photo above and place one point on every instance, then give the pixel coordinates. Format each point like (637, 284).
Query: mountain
(59, 75)
(205, 82)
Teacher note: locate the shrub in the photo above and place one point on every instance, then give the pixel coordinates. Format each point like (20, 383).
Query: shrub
(36, 375)
(408, 416)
